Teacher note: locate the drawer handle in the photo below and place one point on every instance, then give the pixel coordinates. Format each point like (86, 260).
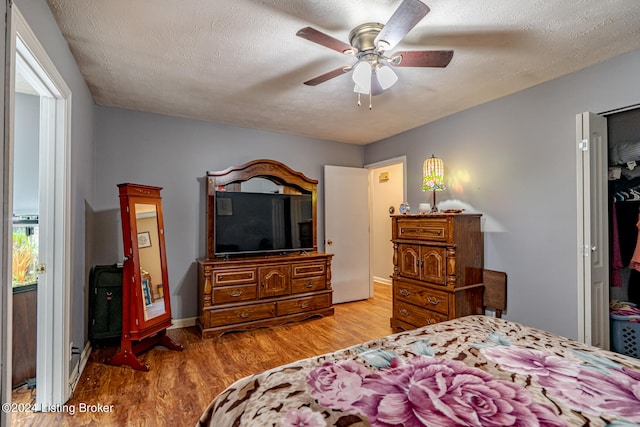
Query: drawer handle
(433, 300)
(309, 285)
(304, 304)
(403, 312)
(431, 321)
(235, 293)
(404, 292)
(244, 314)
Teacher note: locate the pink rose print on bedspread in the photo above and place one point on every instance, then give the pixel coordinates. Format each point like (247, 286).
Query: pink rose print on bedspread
(425, 391)
(338, 385)
(581, 387)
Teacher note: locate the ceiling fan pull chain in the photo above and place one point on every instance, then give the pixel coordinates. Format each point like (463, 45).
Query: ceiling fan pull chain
(370, 102)
(359, 103)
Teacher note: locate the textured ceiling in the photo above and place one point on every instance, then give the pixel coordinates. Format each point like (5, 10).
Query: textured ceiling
(239, 62)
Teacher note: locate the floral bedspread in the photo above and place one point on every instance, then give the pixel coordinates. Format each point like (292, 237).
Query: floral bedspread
(472, 371)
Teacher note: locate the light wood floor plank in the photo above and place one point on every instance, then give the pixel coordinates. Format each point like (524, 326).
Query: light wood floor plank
(180, 385)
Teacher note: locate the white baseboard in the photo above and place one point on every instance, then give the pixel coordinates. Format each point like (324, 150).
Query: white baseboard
(79, 368)
(383, 280)
(183, 323)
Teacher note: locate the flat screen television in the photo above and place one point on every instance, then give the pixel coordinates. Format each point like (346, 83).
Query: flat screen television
(253, 223)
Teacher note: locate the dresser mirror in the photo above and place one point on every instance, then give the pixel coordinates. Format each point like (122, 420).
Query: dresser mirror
(146, 305)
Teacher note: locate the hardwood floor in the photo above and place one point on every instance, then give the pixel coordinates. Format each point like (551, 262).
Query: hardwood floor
(180, 385)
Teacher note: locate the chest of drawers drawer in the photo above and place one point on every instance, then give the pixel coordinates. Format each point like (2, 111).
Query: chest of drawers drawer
(310, 284)
(247, 313)
(230, 294)
(302, 305)
(234, 277)
(308, 270)
(424, 297)
(435, 229)
(416, 316)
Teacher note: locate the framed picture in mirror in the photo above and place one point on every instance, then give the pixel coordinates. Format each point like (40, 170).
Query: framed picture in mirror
(144, 240)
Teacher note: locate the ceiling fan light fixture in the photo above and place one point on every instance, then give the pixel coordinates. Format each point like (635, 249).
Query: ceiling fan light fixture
(386, 77)
(362, 77)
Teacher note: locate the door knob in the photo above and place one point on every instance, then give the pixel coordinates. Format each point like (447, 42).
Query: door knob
(329, 242)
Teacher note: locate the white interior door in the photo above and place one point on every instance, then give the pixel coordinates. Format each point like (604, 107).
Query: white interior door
(593, 230)
(346, 206)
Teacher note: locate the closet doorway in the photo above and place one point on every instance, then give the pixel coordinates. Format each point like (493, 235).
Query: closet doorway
(608, 211)
(624, 192)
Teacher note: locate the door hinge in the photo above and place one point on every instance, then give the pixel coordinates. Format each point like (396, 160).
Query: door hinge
(585, 250)
(583, 145)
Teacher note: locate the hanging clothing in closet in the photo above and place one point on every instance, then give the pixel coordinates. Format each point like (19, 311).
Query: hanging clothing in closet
(625, 234)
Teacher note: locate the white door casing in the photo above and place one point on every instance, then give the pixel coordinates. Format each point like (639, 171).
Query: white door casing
(32, 62)
(346, 205)
(593, 230)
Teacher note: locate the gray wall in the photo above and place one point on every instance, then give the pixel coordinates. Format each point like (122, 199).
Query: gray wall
(514, 160)
(41, 21)
(175, 154)
(25, 154)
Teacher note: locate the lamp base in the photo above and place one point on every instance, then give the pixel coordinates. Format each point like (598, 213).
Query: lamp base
(434, 207)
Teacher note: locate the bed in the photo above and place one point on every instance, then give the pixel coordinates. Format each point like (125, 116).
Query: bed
(475, 370)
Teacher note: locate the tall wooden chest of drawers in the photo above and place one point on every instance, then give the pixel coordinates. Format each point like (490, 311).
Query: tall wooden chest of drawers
(437, 268)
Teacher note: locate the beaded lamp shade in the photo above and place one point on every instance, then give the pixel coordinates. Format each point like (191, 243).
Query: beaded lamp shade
(433, 177)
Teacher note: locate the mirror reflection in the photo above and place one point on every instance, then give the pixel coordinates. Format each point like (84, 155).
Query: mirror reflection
(151, 277)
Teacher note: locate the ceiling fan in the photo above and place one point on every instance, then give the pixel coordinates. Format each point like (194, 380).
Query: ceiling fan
(369, 42)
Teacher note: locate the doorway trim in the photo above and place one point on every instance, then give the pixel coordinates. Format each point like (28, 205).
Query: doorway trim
(25, 53)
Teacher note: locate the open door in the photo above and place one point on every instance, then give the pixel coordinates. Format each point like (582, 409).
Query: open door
(593, 230)
(346, 207)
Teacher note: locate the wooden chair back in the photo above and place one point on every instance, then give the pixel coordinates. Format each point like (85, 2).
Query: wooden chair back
(495, 291)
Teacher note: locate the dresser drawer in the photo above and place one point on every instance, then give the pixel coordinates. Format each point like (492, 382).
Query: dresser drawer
(311, 284)
(308, 270)
(248, 313)
(234, 277)
(228, 294)
(302, 305)
(434, 229)
(424, 297)
(416, 315)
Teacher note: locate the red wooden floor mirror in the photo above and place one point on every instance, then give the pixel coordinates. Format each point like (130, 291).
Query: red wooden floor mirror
(146, 305)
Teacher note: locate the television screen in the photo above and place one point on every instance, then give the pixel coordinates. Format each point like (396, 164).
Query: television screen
(262, 222)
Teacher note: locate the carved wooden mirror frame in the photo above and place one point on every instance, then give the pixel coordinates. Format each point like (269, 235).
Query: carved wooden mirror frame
(230, 179)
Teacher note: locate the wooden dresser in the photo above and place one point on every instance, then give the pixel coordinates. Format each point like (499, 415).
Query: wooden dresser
(437, 268)
(246, 291)
(250, 292)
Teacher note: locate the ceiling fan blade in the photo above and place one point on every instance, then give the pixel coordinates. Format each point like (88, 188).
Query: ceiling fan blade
(323, 39)
(327, 76)
(422, 58)
(406, 16)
